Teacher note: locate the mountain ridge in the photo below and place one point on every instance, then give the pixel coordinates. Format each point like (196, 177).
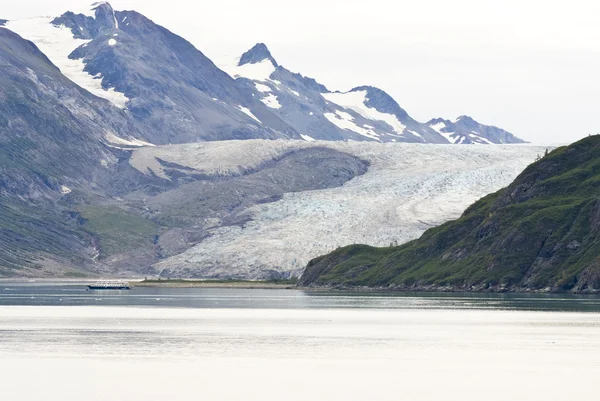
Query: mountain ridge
(171, 89)
(318, 113)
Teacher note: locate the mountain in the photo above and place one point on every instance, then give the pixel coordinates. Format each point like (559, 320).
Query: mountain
(539, 233)
(364, 113)
(465, 130)
(173, 91)
(72, 204)
(112, 159)
(175, 94)
(57, 142)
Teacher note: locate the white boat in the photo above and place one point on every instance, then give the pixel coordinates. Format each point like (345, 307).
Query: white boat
(110, 285)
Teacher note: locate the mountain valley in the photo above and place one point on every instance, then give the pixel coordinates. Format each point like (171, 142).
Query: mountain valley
(126, 151)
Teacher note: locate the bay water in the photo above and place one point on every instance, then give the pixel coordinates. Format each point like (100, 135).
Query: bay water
(61, 342)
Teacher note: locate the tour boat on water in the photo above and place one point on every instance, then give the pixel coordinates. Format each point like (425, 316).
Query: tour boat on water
(110, 285)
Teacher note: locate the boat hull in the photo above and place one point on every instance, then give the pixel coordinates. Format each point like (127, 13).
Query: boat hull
(98, 287)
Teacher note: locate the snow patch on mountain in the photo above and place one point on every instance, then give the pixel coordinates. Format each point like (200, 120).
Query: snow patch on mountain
(439, 128)
(254, 71)
(247, 111)
(407, 189)
(57, 43)
(262, 88)
(120, 142)
(271, 101)
(356, 101)
(307, 138)
(64, 190)
(414, 133)
(345, 121)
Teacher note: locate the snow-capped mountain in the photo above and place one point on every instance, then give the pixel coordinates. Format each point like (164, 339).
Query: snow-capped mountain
(465, 130)
(175, 94)
(170, 88)
(364, 113)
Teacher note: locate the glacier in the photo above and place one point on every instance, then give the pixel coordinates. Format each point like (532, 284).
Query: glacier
(407, 189)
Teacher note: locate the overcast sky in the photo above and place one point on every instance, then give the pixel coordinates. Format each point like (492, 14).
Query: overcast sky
(530, 67)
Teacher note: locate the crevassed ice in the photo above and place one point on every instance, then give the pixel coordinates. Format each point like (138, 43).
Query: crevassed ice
(407, 189)
(57, 42)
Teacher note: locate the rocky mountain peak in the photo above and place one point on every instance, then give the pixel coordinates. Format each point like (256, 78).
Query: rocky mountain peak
(88, 22)
(259, 52)
(466, 120)
(102, 6)
(438, 120)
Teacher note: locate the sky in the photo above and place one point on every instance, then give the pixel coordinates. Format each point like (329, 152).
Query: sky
(528, 66)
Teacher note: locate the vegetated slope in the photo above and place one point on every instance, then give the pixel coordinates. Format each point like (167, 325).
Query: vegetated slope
(540, 233)
(407, 189)
(364, 113)
(171, 89)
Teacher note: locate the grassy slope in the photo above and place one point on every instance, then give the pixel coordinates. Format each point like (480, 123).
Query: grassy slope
(539, 232)
(116, 230)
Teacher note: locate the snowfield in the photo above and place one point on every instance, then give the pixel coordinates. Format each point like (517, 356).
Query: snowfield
(57, 43)
(407, 189)
(357, 100)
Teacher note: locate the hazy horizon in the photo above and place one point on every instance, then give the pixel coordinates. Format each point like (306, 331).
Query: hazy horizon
(528, 68)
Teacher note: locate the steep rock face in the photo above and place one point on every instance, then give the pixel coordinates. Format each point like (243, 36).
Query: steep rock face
(257, 54)
(540, 233)
(53, 147)
(174, 92)
(465, 130)
(50, 129)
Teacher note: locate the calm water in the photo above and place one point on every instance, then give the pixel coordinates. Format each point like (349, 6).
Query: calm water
(60, 342)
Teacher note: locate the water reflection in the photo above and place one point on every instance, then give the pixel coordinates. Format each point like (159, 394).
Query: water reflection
(74, 294)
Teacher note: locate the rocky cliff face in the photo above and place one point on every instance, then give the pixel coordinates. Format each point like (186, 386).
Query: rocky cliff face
(53, 145)
(540, 233)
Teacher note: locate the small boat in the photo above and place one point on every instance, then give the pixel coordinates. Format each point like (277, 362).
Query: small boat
(110, 285)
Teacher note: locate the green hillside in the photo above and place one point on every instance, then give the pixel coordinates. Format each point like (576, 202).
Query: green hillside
(540, 233)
